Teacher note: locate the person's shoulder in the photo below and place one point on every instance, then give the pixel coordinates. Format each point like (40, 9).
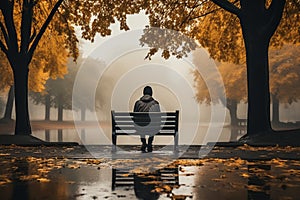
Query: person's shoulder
(137, 101)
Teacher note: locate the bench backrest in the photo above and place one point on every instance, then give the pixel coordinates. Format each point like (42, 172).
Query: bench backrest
(160, 123)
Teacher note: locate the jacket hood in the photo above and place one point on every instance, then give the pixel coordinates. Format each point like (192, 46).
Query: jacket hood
(146, 98)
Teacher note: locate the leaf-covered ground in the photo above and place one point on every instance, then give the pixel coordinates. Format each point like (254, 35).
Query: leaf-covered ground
(68, 173)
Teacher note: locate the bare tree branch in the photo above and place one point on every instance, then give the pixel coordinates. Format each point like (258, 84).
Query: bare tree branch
(230, 7)
(205, 14)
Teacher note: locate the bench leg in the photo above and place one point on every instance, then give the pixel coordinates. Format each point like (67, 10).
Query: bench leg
(176, 142)
(113, 176)
(114, 141)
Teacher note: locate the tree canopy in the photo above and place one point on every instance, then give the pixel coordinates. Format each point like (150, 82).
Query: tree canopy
(214, 28)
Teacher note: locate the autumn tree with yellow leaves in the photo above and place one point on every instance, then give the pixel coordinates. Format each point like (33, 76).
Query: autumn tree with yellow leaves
(22, 24)
(20, 38)
(233, 31)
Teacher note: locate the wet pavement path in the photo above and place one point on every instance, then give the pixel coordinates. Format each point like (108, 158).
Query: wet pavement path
(93, 172)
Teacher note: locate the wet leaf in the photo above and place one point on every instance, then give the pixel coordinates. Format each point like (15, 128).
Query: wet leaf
(4, 154)
(43, 180)
(245, 175)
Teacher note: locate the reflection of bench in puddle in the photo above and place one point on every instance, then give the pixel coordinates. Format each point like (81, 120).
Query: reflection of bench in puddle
(124, 177)
(259, 181)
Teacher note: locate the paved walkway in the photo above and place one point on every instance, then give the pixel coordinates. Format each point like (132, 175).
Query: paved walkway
(132, 152)
(31, 146)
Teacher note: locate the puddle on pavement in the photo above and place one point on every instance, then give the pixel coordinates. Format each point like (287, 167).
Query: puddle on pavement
(41, 178)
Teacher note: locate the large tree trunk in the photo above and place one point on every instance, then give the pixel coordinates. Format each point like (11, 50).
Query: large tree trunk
(258, 85)
(47, 107)
(275, 110)
(22, 126)
(9, 104)
(258, 26)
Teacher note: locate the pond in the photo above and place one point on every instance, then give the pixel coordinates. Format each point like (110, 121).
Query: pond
(101, 135)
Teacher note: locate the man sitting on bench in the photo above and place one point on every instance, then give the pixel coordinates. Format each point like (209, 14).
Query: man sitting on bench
(146, 104)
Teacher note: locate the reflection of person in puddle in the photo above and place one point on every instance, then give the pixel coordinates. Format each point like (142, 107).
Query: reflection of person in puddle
(146, 104)
(144, 186)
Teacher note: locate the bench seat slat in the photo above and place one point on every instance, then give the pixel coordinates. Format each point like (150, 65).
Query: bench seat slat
(131, 123)
(124, 118)
(146, 129)
(137, 134)
(130, 114)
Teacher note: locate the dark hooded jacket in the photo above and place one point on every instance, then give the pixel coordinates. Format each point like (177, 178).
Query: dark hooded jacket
(146, 104)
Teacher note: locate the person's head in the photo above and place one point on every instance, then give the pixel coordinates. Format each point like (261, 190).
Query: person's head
(147, 90)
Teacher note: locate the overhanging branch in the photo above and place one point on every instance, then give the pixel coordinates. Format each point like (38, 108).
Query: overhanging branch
(275, 12)
(3, 48)
(230, 7)
(27, 12)
(10, 26)
(44, 27)
(3, 30)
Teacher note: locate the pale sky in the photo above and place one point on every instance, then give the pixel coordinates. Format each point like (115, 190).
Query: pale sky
(138, 21)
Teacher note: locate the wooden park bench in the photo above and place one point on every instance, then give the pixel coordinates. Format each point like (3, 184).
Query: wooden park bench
(145, 123)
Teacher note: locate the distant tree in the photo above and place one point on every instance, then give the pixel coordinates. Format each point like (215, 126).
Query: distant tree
(284, 82)
(234, 80)
(284, 77)
(58, 92)
(2, 105)
(83, 100)
(9, 105)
